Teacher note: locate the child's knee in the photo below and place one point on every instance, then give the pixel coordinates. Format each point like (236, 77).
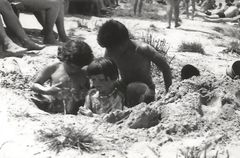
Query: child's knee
(138, 92)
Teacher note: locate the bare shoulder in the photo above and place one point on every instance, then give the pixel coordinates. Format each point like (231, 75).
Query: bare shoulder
(144, 48)
(140, 45)
(52, 68)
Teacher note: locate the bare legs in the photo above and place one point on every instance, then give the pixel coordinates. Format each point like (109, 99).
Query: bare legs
(60, 25)
(173, 4)
(187, 7)
(8, 44)
(48, 13)
(14, 25)
(139, 6)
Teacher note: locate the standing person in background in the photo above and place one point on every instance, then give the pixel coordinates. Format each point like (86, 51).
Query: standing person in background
(138, 5)
(193, 2)
(173, 6)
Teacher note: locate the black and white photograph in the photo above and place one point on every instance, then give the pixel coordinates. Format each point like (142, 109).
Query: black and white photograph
(119, 79)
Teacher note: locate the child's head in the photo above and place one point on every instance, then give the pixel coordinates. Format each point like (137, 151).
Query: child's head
(112, 33)
(75, 52)
(103, 66)
(103, 73)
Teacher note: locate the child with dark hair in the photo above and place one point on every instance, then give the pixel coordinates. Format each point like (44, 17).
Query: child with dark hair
(133, 60)
(68, 80)
(104, 97)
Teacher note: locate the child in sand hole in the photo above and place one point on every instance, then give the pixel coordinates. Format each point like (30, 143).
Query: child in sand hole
(68, 80)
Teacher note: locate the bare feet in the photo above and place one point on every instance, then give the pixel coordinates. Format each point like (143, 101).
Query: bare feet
(177, 25)
(64, 38)
(30, 45)
(43, 33)
(14, 48)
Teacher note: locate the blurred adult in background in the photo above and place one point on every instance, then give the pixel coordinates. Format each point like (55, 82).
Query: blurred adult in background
(13, 25)
(173, 6)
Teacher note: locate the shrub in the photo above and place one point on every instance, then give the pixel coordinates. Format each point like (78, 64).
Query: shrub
(233, 47)
(191, 47)
(228, 31)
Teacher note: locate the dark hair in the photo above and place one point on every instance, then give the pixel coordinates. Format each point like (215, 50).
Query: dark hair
(112, 33)
(103, 66)
(188, 71)
(76, 52)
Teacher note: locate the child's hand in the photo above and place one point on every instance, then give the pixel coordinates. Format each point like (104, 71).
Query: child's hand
(85, 112)
(54, 90)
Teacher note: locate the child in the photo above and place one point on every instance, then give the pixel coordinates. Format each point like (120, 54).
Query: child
(133, 60)
(105, 97)
(68, 80)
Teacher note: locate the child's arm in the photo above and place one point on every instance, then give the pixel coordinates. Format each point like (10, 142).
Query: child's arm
(161, 62)
(85, 110)
(42, 77)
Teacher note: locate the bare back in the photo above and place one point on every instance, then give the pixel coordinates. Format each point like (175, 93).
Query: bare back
(135, 63)
(56, 73)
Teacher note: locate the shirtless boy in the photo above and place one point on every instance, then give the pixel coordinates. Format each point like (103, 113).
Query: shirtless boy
(68, 80)
(133, 59)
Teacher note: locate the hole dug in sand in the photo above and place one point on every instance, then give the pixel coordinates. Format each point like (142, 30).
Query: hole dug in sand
(219, 105)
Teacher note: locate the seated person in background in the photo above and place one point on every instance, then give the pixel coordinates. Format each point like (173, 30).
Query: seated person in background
(105, 97)
(230, 12)
(68, 80)
(207, 5)
(222, 20)
(13, 25)
(8, 45)
(48, 13)
(133, 60)
(225, 11)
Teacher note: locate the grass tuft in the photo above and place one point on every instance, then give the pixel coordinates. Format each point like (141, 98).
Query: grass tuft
(195, 152)
(233, 47)
(159, 44)
(67, 137)
(191, 47)
(229, 31)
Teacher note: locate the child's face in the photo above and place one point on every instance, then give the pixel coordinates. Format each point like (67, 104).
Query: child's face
(101, 83)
